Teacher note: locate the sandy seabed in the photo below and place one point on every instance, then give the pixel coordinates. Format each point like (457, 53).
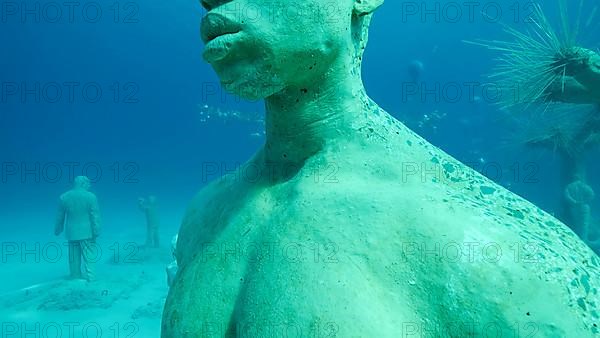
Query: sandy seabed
(125, 300)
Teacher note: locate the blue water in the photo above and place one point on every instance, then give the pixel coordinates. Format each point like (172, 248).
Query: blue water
(145, 133)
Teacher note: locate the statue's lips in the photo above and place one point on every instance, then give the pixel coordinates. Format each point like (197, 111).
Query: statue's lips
(215, 25)
(219, 47)
(218, 33)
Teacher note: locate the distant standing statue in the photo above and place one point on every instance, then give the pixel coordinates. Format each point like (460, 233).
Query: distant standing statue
(148, 206)
(78, 213)
(415, 70)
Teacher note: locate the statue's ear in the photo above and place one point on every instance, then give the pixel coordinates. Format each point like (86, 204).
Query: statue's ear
(364, 7)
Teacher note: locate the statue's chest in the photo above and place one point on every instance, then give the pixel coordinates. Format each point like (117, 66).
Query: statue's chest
(225, 240)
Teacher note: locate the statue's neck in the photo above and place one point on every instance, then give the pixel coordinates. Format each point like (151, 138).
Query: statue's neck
(300, 120)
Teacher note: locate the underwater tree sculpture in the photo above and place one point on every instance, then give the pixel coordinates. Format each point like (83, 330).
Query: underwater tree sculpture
(335, 236)
(570, 131)
(579, 195)
(545, 71)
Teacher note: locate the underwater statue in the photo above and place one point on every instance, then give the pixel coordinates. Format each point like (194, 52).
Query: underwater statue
(148, 206)
(79, 218)
(346, 223)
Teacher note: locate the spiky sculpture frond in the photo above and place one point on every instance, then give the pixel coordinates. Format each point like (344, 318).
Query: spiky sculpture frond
(535, 62)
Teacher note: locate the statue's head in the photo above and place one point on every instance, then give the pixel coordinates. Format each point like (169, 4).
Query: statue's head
(259, 47)
(82, 182)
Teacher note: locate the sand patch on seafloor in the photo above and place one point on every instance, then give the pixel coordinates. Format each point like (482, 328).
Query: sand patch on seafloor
(125, 300)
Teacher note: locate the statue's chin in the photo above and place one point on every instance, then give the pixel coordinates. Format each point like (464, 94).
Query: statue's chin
(251, 91)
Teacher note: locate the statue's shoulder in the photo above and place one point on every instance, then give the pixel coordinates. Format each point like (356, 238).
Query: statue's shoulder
(206, 215)
(443, 207)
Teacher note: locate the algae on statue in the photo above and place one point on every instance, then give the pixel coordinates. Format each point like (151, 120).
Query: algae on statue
(334, 237)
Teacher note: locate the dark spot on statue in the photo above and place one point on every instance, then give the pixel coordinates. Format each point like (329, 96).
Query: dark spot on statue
(585, 281)
(528, 314)
(515, 213)
(174, 318)
(285, 155)
(487, 190)
(304, 90)
(297, 100)
(581, 303)
(449, 167)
